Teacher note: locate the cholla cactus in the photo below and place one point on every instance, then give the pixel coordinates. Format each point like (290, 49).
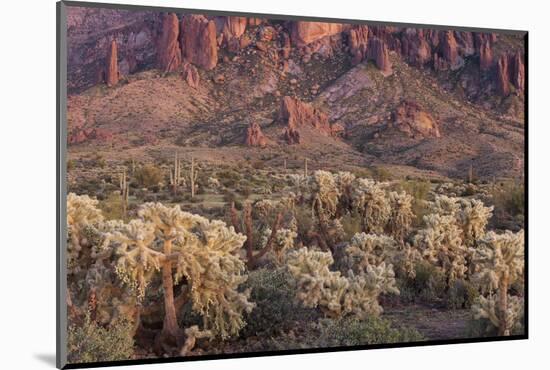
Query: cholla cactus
(373, 205)
(445, 206)
(82, 213)
(345, 182)
(441, 244)
(282, 244)
(401, 215)
(488, 308)
(473, 218)
(335, 294)
(370, 250)
(500, 259)
(190, 247)
(325, 193)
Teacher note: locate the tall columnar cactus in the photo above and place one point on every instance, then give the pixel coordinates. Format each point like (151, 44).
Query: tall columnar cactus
(193, 173)
(82, 213)
(124, 191)
(176, 180)
(335, 294)
(500, 261)
(401, 216)
(370, 200)
(190, 249)
(440, 243)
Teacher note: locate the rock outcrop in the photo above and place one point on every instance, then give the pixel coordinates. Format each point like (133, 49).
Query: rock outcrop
(358, 42)
(111, 69)
(297, 114)
(198, 41)
(415, 48)
(412, 120)
(81, 135)
(449, 49)
(233, 29)
(254, 136)
(377, 51)
(303, 33)
(517, 71)
(503, 76)
(191, 75)
(169, 52)
(485, 54)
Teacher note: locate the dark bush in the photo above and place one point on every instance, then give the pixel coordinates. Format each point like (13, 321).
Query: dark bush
(148, 176)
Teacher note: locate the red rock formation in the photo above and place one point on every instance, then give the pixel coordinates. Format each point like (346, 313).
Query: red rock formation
(415, 48)
(449, 46)
(411, 119)
(485, 54)
(111, 71)
(191, 75)
(377, 51)
(169, 53)
(291, 135)
(254, 136)
(198, 41)
(358, 42)
(296, 114)
(234, 26)
(233, 29)
(465, 42)
(81, 135)
(254, 21)
(286, 48)
(303, 33)
(517, 71)
(503, 79)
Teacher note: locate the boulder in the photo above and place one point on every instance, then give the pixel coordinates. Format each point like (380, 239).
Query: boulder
(198, 41)
(169, 52)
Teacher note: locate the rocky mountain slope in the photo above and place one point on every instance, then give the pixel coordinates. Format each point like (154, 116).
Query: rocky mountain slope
(419, 102)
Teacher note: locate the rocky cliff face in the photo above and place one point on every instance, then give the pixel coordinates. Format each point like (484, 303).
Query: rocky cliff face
(143, 40)
(169, 52)
(254, 136)
(90, 33)
(198, 41)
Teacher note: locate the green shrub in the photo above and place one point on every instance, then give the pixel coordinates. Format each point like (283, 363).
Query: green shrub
(111, 207)
(89, 342)
(276, 309)
(148, 176)
(373, 330)
(461, 294)
(428, 285)
(509, 197)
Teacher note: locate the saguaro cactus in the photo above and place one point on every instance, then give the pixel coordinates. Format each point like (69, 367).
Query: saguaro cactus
(124, 191)
(193, 173)
(176, 180)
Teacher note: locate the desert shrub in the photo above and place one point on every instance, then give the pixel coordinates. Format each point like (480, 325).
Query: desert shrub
(228, 178)
(112, 207)
(90, 342)
(276, 308)
(509, 198)
(419, 190)
(71, 163)
(148, 176)
(461, 294)
(258, 165)
(483, 327)
(351, 224)
(371, 330)
(427, 285)
(98, 161)
(382, 174)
